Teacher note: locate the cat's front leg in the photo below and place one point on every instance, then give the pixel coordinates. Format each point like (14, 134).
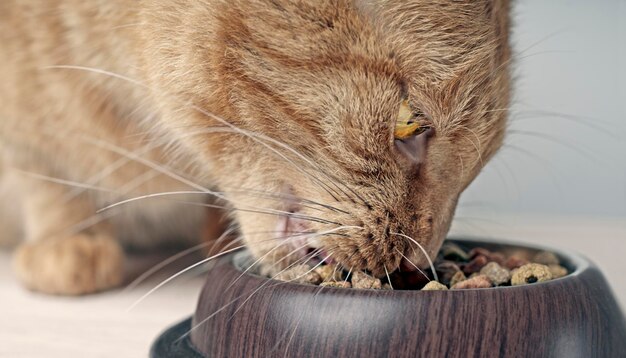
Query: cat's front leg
(63, 254)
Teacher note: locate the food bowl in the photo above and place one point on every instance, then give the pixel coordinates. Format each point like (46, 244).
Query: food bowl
(244, 315)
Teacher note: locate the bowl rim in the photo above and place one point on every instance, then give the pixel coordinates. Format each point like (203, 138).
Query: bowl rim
(579, 263)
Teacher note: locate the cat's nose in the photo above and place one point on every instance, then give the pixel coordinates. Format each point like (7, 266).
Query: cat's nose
(412, 150)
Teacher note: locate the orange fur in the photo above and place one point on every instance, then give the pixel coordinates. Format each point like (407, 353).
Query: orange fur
(322, 78)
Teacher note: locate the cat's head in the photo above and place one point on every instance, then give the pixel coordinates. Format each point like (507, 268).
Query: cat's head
(358, 121)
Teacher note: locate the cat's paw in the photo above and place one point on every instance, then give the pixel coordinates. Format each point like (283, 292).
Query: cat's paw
(73, 265)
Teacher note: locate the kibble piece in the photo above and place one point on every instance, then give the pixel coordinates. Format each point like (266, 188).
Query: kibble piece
(531, 273)
(363, 280)
(475, 265)
(453, 252)
(476, 251)
(445, 270)
(339, 284)
(497, 257)
(557, 271)
(496, 273)
(329, 272)
(387, 286)
(458, 277)
(514, 262)
(480, 281)
(546, 258)
(435, 286)
(491, 256)
(300, 274)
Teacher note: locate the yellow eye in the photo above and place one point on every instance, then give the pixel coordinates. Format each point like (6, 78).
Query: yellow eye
(407, 123)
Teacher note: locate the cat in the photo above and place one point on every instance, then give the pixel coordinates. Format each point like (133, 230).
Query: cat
(333, 130)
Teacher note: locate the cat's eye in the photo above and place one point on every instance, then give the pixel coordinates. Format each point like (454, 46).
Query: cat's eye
(409, 122)
(412, 134)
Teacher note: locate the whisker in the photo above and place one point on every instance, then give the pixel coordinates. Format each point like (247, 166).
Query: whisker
(313, 254)
(219, 195)
(263, 285)
(257, 137)
(287, 197)
(414, 265)
(63, 181)
(157, 195)
(498, 160)
(476, 146)
(180, 273)
(160, 168)
(552, 139)
(106, 171)
(388, 278)
(250, 135)
(85, 224)
(539, 159)
(345, 281)
(315, 295)
(270, 212)
(432, 267)
(291, 237)
(169, 260)
(264, 211)
(591, 123)
(264, 256)
(161, 265)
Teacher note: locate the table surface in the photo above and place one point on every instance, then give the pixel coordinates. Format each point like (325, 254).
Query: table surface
(33, 325)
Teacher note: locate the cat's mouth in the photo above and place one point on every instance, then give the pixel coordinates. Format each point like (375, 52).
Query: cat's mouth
(302, 242)
(294, 230)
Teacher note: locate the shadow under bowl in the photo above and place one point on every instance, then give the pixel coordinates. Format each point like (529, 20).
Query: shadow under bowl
(245, 315)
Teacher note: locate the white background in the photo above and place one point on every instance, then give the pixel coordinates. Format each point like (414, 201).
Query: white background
(570, 63)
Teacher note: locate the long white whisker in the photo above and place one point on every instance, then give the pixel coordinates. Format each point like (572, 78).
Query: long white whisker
(272, 280)
(107, 170)
(63, 181)
(180, 273)
(348, 275)
(169, 260)
(257, 138)
(266, 255)
(388, 278)
(414, 265)
(290, 237)
(432, 267)
(130, 80)
(476, 146)
(306, 236)
(267, 211)
(220, 195)
(148, 163)
(257, 290)
(157, 195)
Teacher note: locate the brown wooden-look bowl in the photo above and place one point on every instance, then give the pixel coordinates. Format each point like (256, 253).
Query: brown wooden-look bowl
(574, 316)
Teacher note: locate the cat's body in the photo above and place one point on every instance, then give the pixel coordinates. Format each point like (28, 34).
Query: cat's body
(271, 102)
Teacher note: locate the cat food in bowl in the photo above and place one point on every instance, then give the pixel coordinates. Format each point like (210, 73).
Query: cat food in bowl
(455, 268)
(245, 315)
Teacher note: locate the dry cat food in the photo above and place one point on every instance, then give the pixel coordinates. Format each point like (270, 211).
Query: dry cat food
(456, 269)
